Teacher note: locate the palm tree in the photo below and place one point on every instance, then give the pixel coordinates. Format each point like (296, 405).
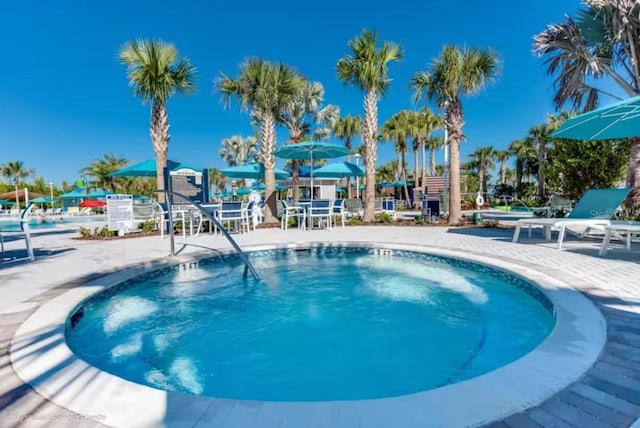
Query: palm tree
(237, 150)
(540, 135)
(455, 73)
(502, 156)
(398, 129)
(387, 171)
(421, 124)
(601, 45)
(482, 159)
(266, 89)
(347, 128)
(101, 168)
(217, 180)
(299, 116)
(434, 144)
(526, 158)
(156, 74)
(15, 171)
(366, 68)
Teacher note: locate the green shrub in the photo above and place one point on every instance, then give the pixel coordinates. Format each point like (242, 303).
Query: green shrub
(353, 221)
(147, 226)
(384, 218)
(84, 232)
(490, 224)
(104, 232)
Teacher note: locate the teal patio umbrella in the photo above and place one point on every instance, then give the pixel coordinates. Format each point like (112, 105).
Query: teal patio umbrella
(148, 169)
(617, 120)
(5, 202)
(40, 200)
(254, 170)
(311, 150)
(98, 194)
(75, 194)
(260, 186)
(339, 170)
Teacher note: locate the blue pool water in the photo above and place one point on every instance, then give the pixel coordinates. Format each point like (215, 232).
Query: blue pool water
(11, 225)
(322, 326)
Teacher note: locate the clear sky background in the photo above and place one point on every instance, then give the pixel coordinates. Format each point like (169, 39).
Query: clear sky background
(65, 101)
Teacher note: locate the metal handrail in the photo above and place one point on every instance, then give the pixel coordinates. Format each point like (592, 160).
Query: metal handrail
(234, 244)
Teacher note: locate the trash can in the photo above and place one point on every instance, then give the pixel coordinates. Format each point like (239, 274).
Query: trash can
(477, 218)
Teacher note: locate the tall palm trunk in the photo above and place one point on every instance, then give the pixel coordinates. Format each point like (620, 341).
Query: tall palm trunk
(542, 155)
(371, 155)
(633, 179)
(268, 137)
(416, 176)
(423, 175)
(295, 179)
(503, 172)
(481, 181)
(16, 184)
(454, 122)
(160, 139)
(347, 145)
(432, 165)
(404, 177)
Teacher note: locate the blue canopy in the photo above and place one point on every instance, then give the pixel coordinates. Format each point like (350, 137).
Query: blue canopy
(75, 194)
(617, 120)
(98, 194)
(5, 202)
(260, 186)
(148, 169)
(311, 150)
(253, 170)
(40, 200)
(339, 170)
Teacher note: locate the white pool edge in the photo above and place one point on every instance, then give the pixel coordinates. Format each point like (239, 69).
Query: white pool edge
(41, 358)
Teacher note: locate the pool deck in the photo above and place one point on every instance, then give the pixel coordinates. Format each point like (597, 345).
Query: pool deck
(608, 395)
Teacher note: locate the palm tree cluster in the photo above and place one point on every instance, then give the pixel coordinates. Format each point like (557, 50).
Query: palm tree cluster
(588, 52)
(276, 94)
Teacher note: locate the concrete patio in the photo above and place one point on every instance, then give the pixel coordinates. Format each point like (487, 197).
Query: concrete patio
(608, 395)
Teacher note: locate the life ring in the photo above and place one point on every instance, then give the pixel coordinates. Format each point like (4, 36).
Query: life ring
(479, 201)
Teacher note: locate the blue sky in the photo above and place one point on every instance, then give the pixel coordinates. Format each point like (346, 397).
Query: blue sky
(65, 100)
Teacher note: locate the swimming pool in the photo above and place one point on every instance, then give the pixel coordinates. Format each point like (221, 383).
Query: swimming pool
(13, 225)
(326, 324)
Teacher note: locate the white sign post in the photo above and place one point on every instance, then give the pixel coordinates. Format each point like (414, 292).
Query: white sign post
(120, 213)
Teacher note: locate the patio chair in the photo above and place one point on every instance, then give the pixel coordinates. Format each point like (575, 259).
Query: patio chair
(353, 207)
(235, 212)
(593, 211)
(320, 209)
(25, 231)
(337, 211)
(556, 204)
(288, 211)
(619, 229)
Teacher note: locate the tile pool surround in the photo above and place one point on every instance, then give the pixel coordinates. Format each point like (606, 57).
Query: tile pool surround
(571, 348)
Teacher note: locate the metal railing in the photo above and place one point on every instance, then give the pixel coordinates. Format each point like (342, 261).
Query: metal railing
(248, 266)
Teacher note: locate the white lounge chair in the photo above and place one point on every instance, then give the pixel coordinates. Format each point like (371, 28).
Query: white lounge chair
(628, 228)
(593, 211)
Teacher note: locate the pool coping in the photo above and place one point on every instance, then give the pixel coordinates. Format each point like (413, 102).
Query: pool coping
(563, 357)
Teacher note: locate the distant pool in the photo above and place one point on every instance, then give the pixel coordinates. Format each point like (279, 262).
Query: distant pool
(13, 225)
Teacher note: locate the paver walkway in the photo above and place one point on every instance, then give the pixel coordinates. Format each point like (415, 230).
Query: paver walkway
(607, 396)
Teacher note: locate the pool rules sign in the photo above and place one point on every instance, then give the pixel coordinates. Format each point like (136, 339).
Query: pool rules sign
(120, 212)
